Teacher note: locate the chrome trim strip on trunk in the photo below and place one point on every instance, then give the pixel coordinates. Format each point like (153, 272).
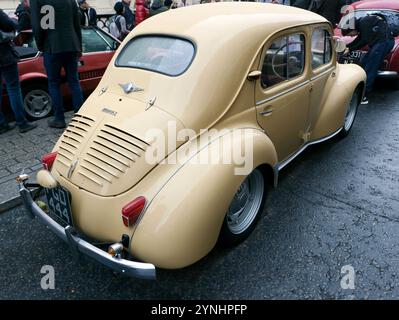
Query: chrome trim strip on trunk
(126, 267)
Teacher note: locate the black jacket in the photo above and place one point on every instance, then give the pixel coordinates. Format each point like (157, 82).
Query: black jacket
(129, 16)
(372, 29)
(66, 36)
(24, 18)
(303, 4)
(8, 55)
(88, 17)
(329, 9)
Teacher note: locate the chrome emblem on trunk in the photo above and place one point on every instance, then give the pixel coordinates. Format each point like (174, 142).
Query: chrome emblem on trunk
(130, 87)
(72, 168)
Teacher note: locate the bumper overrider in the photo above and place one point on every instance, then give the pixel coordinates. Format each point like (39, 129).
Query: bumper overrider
(79, 246)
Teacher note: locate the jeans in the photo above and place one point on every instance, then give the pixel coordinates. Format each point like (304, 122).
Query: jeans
(373, 59)
(54, 64)
(10, 74)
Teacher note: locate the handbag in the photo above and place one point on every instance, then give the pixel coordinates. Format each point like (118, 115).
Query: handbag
(6, 36)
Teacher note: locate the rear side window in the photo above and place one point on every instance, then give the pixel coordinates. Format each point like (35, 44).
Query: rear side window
(284, 60)
(167, 55)
(321, 48)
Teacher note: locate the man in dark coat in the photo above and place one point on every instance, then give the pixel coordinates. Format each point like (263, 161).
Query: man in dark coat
(58, 36)
(157, 7)
(303, 4)
(128, 14)
(24, 16)
(9, 73)
(88, 15)
(329, 9)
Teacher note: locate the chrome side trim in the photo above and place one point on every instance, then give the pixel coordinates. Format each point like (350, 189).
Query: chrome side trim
(322, 74)
(283, 93)
(127, 267)
(283, 164)
(388, 74)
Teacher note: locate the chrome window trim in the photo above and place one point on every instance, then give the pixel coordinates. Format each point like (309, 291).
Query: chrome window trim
(258, 103)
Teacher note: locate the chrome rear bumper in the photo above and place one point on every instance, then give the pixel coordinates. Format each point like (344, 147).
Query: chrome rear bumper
(78, 245)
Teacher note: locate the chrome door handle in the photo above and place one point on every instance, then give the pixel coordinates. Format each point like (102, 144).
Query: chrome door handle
(266, 113)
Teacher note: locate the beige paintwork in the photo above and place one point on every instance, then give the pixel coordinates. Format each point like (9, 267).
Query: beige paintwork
(186, 203)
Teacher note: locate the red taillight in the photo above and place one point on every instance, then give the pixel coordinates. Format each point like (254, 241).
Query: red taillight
(48, 160)
(132, 211)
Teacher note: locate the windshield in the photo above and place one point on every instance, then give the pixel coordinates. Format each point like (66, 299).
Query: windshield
(166, 55)
(347, 20)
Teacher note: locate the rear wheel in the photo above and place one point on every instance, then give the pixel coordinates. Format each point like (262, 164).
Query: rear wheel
(245, 209)
(351, 114)
(37, 101)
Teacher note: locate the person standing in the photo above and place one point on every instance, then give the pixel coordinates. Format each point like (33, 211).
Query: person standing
(61, 47)
(372, 31)
(10, 74)
(24, 16)
(142, 12)
(128, 14)
(88, 15)
(303, 4)
(118, 23)
(329, 9)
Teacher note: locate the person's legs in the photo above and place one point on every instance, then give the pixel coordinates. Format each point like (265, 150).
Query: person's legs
(53, 67)
(3, 120)
(11, 78)
(373, 60)
(70, 64)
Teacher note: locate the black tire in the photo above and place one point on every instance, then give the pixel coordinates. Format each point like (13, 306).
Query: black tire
(37, 101)
(230, 236)
(350, 116)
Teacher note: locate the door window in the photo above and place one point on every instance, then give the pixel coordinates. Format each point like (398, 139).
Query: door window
(321, 48)
(284, 60)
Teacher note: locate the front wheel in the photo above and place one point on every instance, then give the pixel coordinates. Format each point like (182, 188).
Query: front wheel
(351, 114)
(245, 209)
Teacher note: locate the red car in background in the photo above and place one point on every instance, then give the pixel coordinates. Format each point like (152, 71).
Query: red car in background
(98, 49)
(390, 9)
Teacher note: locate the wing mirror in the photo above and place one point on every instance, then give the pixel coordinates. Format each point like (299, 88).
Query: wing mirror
(340, 45)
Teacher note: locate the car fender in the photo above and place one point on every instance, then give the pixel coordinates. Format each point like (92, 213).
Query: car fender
(182, 222)
(32, 76)
(338, 93)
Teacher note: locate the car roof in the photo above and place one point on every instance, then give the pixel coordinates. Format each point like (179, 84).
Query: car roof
(377, 4)
(236, 19)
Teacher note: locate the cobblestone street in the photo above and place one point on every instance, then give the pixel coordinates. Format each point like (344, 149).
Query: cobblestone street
(23, 152)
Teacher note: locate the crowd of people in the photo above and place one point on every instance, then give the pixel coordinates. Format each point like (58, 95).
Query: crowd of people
(63, 46)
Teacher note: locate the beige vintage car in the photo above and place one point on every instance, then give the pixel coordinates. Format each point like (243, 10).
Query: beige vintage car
(262, 75)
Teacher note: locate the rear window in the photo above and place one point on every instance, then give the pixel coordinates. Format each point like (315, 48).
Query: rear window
(167, 55)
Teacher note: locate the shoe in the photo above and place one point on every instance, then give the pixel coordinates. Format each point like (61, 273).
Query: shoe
(57, 124)
(27, 127)
(365, 100)
(4, 129)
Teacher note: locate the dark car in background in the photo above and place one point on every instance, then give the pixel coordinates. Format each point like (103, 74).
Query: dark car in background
(98, 49)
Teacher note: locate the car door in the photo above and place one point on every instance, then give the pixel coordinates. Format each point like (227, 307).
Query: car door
(283, 92)
(98, 49)
(322, 69)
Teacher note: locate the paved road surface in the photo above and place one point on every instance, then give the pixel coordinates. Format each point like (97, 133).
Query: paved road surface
(336, 205)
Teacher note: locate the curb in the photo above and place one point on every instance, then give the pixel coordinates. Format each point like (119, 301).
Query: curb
(10, 204)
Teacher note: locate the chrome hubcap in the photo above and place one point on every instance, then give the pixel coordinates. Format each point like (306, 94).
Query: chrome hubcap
(246, 203)
(37, 103)
(351, 113)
